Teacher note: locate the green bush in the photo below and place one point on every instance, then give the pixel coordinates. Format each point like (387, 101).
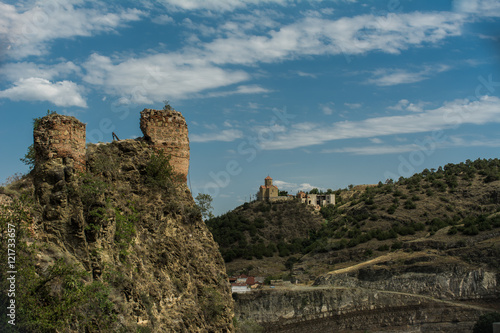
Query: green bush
(409, 204)
(396, 246)
(485, 322)
(125, 229)
(158, 171)
(212, 303)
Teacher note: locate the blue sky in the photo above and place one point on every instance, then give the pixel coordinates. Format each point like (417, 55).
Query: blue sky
(313, 93)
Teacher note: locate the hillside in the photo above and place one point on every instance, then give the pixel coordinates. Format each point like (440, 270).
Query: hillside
(262, 229)
(384, 258)
(455, 206)
(108, 239)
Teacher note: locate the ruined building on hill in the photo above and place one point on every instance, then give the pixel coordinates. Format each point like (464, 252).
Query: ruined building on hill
(270, 192)
(124, 217)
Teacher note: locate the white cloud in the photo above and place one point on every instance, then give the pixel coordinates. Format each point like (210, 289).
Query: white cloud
(198, 67)
(158, 77)
(373, 150)
(244, 89)
(353, 105)
(405, 105)
(24, 70)
(62, 93)
(216, 5)
(327, 108)
(29, 30)
(224, 135)
(488, 8)
(304, 74)
(162, 19)
(390, 77)
(452, 114)
(376, 140)
(451, 142)
(293, 187)
(391, 33)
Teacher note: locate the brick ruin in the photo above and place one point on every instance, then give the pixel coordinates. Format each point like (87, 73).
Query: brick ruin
(61, 154)
(60, 137)
(167, 130)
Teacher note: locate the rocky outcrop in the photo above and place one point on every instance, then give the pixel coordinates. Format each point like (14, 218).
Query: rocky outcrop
(399, 292)
(420, 276)
(114, 211)
(330, 309)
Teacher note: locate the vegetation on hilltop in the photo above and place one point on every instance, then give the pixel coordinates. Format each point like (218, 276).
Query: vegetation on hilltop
(444, 207)
(263, 229)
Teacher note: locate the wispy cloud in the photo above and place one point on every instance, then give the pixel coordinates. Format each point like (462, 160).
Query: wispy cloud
(482, 111)
(327, 108)
(405, 105)
(451, 142)
(24, 70)
(373, 150)
(391, 33)
(243, 89)
(224, 135)
(488, 8)
(390, 77)
(293, 187)
(62, 93)
(207, 65)
(30, 31)
(162, 19)
(147, 79)
(353, 105)
(216, 5)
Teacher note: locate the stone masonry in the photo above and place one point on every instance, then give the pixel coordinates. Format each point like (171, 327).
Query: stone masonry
(167, 130)
(60, 153)
(60, 137)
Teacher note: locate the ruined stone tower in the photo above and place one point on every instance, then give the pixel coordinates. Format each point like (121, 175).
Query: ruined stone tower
(61, 138)
(59, 143)
(167, 130)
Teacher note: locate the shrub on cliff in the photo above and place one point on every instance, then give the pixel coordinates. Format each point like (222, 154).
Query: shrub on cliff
(485, 323)
(55, 299)
(158, 170)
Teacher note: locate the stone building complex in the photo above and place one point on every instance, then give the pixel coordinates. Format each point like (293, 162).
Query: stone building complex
(270, 192)
(316, 199)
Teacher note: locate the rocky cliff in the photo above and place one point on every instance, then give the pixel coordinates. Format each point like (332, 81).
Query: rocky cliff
(327, 309)
(114, 241)
(421, 291)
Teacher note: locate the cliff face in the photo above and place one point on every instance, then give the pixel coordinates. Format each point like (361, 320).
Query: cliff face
(400, 292)
(123, 214)
(325, 309)
(420, 274)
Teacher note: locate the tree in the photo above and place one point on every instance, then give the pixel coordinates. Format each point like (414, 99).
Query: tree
(314, 191)
(485, 323)
(167, 106)
(29, 158)
(283, 193)
(204, 203)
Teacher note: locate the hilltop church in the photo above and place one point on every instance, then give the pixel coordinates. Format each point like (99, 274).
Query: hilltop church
(268, 191)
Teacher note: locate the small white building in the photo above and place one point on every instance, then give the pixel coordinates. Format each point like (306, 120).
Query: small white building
(318, 199)
(240, 288)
